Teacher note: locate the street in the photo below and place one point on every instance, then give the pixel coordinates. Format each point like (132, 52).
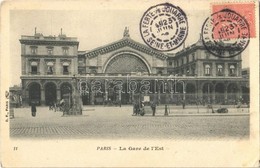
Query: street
(118, 123)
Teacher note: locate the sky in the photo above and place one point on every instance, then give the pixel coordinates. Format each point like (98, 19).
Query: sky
(92, 27)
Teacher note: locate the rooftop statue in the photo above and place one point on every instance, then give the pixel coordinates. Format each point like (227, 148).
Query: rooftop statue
(126, 32)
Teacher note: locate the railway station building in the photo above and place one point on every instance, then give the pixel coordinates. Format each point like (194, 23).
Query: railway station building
(125, 71)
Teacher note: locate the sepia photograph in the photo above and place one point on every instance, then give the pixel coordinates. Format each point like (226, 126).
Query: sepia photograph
(112, 78)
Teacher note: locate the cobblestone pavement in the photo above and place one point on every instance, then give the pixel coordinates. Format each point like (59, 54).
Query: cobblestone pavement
(118, 123)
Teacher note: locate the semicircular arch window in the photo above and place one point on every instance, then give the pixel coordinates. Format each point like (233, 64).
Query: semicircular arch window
(126, 63)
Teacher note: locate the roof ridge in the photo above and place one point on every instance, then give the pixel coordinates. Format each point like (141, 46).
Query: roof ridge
(125, 40)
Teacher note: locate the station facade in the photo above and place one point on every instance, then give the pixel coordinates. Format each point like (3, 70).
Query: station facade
(125, 71)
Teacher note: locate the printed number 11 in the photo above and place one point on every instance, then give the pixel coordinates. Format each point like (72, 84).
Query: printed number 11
(15, 148)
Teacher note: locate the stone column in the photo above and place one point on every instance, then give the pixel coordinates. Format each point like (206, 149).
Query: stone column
(58, 94)
(213, 94)
(92, 98)
(42, 97)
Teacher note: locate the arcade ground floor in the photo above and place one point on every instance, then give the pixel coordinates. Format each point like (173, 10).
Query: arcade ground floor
(124, 90)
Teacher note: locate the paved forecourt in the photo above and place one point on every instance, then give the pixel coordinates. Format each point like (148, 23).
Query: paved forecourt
(118, 123)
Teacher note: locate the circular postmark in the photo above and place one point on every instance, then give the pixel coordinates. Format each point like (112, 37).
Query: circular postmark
(164, 27)
(225, 34)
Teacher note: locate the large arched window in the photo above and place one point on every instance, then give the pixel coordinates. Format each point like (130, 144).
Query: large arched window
(207, 69)
(34, 67)
(219, 70)
(65, 68)
(126, 63)
(50, 68)
(232, 70)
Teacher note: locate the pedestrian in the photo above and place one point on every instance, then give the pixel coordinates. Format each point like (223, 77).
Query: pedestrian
(141, 110)
(153, 106)
(33, 109)
(53, 106)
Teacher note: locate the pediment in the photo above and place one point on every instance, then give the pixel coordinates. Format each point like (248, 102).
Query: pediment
(125, 42)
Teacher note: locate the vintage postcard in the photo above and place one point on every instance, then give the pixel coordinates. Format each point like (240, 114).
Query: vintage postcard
(112, 83)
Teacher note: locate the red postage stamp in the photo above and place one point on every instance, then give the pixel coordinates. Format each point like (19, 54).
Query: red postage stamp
(246, 10)
(227, 32)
